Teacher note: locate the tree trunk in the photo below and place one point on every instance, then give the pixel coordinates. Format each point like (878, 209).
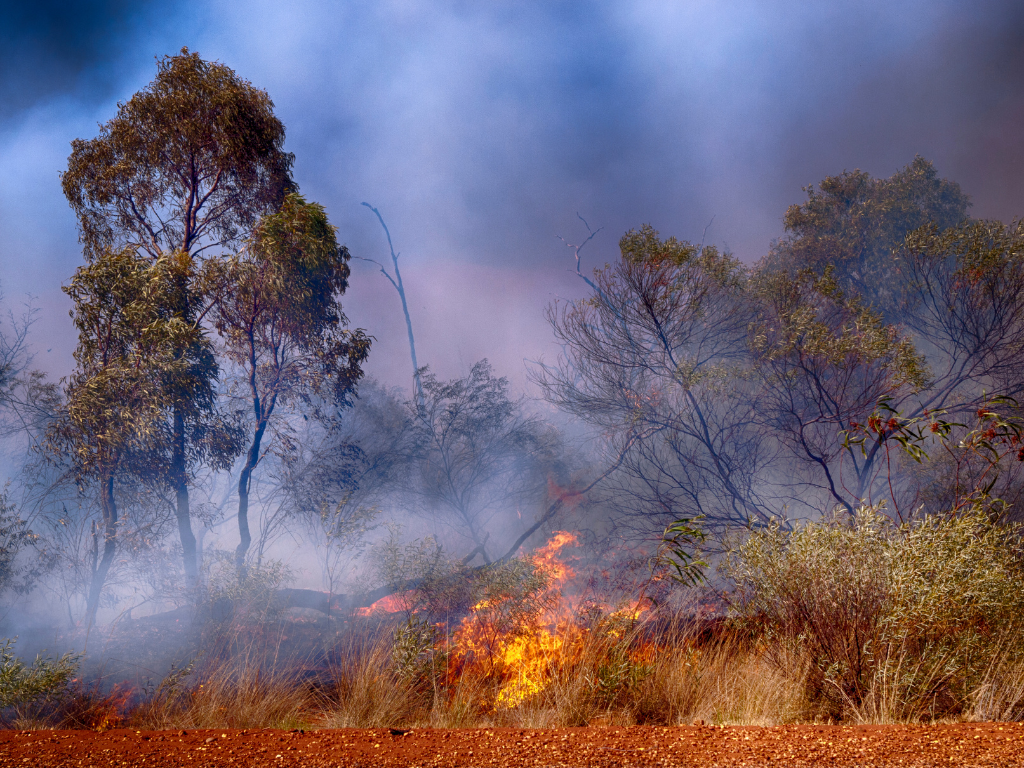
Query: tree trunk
(400, 287)
(251, 459)
(108, 508)
(179, 478)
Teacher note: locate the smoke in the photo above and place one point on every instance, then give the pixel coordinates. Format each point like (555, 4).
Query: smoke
(52, 49)
(480, 131)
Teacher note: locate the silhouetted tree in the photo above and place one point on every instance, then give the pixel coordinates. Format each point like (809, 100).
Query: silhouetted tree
(904, 248)
(824, 360)
(655, 359)
(479, 452)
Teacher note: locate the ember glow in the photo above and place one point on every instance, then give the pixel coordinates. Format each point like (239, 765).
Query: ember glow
(395, 603)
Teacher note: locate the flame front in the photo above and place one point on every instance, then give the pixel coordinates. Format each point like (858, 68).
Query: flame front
(531, 623)
(520, 655)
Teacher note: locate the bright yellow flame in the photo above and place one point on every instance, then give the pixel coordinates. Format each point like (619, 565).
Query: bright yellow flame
(521, 659)
(526, 660)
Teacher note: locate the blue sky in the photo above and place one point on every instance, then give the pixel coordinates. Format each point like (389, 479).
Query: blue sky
(481, 129)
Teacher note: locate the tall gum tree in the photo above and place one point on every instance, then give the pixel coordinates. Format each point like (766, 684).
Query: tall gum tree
(116, 397)
(185, 168)
(277, 308)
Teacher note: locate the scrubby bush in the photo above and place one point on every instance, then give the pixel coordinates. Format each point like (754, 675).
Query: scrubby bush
(25, 686)
(900, 621)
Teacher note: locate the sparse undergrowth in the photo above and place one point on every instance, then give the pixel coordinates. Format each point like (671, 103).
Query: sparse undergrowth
(848, 619)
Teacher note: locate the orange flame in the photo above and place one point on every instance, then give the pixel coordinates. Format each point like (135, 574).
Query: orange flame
(521, 657)
(518, 645)
(391, 604)
(547, 559)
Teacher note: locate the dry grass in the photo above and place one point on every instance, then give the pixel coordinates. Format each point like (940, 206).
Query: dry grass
(616, 672)
(232, 697)
(663, 675)
(367, 691)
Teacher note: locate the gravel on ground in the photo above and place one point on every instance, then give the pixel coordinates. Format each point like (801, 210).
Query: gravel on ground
(967, 744)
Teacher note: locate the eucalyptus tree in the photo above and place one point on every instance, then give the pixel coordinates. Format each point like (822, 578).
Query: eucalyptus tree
(823, 361)
(853, 223)
(116, 399)
(904, 249)
(277, 308)
(185, 169)
(657, 358)
(962, 290)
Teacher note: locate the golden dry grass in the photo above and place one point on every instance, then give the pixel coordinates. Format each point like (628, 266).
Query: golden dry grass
(620, 673)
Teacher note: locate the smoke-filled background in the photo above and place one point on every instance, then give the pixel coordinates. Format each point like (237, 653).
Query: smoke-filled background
(480, 130)
(490, 137)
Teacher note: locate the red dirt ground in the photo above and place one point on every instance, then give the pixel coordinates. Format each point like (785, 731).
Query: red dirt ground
(987, 744)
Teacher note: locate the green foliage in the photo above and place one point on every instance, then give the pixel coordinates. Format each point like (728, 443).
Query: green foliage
(114, 395)
(196, 155)
(507, 595)
(619, 675)
(277, 307)
(853, 222)
(22, 685)
(680, 551)
(188, 164)
(906, 617)
(978, 452)
(478, 451)
(511, 596)
(807, 317)
(415, 654)
(15, 539)
(136, 358)
(256, 587)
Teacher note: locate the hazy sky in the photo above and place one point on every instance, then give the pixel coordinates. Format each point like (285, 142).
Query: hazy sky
(481, 129)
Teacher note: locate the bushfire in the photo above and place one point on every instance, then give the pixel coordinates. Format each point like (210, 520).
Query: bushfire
(518, 635)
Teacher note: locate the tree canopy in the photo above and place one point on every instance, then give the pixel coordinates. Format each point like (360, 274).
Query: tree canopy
(189, 163)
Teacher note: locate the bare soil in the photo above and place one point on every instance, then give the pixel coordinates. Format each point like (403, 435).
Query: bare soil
(987, 744)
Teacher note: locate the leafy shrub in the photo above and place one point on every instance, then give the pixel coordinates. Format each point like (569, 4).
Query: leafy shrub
(901, 621)
(23, 686)
(15, 539)
(247, 594)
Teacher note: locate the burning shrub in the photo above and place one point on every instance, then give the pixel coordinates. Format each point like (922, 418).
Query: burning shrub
(901, 622)
(93, 708)
(511, 599)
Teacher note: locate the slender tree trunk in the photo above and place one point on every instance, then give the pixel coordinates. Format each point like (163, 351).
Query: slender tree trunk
(251, 459)
(400, 287)
(108, 508)
(417, 379)
(179, 478)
